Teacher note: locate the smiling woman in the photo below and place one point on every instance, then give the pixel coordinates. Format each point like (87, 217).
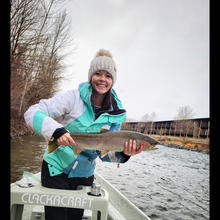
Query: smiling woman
(103, 77)
(93, 106)
(101, 82)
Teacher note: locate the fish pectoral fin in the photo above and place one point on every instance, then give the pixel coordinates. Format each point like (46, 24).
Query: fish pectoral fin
(103, 130)
(104, 153)
(144, 143)
(76, 150)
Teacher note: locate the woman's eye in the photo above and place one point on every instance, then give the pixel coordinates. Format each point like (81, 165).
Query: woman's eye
(108, 75)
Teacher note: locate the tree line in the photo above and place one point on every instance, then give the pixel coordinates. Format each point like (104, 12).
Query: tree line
(39, 34)
(183, 113)
(182, 125)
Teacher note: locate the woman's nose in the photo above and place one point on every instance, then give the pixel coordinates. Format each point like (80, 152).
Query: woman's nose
(102, 77)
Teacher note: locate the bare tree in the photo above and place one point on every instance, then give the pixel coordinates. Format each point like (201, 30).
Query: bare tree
(183, 122)
(49, 66)
(145, 117)
(38, 35)
(28, 74)
(184, 112)
(148, 117)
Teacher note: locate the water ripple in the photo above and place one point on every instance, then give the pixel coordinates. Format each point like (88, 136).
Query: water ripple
(166, 184)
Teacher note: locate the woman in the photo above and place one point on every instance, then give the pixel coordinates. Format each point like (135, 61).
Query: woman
(93, 106)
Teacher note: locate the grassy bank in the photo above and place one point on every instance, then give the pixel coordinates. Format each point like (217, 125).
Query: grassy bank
(197, 144)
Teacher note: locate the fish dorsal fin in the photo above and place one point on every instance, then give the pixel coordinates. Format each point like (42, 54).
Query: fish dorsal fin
(103, 130)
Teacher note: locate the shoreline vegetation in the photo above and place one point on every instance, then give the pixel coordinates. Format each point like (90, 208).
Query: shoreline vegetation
(18, 127)
(40, 37)
(187, 143)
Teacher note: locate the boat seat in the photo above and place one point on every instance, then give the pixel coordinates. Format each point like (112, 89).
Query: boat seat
(38, 196)
(37, 213)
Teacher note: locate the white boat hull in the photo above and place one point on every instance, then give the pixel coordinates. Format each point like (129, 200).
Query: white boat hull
(28, 203)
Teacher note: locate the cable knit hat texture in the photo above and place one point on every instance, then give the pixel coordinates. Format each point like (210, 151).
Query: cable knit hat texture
(103, 61)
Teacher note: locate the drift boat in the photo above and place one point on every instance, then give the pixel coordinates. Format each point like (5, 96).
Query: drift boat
(102, 201)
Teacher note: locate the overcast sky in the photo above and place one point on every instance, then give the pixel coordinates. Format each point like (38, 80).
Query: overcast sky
(161, 50)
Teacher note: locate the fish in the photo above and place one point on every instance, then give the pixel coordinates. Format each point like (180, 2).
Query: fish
(106, 141)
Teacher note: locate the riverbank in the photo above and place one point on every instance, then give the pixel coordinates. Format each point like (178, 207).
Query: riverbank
(187, 143)
(18, 127)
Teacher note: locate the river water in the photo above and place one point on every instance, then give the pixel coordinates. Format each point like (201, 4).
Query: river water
(165, 184)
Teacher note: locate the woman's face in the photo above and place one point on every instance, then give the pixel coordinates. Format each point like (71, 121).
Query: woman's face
(101, 82)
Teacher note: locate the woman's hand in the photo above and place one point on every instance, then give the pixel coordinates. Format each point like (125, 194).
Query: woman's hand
(66, 140)
(131, 149)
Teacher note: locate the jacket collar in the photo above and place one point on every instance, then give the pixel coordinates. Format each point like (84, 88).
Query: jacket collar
(85, 90)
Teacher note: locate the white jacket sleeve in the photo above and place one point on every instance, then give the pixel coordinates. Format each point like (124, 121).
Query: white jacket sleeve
(41, 116)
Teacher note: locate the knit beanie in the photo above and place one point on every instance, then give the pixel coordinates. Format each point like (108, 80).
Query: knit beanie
(103, 61)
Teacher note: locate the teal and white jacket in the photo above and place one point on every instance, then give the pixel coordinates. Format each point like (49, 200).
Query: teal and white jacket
(75, 113)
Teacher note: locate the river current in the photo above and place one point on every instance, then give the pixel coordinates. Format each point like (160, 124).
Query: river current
(167, 183)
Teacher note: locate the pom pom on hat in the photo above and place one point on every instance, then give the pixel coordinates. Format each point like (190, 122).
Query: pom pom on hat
(103, 52)
(103, 61)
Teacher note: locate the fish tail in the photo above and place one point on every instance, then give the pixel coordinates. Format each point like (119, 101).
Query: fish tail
(76, 151)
